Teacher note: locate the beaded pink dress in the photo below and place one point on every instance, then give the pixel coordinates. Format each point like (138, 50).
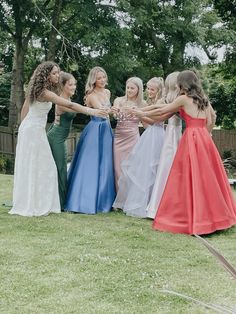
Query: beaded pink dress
(126, 136)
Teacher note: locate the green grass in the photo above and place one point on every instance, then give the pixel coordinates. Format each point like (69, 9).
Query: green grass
(107, 263)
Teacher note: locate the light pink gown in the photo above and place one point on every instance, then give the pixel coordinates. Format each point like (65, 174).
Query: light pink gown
(126, 136)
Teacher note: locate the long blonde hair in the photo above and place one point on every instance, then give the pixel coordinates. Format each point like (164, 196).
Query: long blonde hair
(139, 83)
(91, 80)
(171, 87)
(159, 83)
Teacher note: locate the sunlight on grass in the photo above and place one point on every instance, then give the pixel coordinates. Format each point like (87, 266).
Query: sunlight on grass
(106, 263)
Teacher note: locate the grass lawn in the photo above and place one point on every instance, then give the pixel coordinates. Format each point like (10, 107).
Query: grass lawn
(107, 263)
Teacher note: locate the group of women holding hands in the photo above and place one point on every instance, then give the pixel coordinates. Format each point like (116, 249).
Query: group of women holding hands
(176, 179)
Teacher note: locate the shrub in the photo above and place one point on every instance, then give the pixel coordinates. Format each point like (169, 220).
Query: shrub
(6, 164)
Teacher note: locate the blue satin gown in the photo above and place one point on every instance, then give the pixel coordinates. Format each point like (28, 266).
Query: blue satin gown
(91, 185)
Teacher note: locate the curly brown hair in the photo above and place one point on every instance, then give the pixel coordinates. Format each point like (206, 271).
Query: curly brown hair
(189, 83)
(39, 80)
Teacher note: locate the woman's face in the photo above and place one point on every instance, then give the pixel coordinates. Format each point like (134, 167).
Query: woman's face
(54, 75)
(101, 79)
(152, 90)
(70, 87)
(131, 90)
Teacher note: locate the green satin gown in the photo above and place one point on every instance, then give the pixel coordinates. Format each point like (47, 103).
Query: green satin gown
(57, 135)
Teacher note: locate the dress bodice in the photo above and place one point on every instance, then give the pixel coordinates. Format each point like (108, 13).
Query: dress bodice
(192, 122)
(66, 119)
(98, 119)
(175, 121)
(126, 120)
(61, 129)
(159, 124)
(39, 109)
(37, 114)
(104, 105)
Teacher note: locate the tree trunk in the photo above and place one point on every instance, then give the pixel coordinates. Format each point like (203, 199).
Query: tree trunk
(17, 85)
(53, 33)
(177, 56)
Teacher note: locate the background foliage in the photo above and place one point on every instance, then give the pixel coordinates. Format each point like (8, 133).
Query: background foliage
(145, 38)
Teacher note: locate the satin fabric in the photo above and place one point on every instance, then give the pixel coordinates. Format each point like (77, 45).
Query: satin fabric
(91, 187)
(197, 198)
(57, 135)
(126, 136)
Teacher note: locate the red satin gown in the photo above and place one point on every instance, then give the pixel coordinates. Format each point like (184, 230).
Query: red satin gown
(197, 198)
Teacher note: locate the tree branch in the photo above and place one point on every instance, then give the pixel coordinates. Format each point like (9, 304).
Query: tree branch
(3, 24)
(212, 56)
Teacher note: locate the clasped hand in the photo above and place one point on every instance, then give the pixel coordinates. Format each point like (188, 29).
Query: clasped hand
(129, 111)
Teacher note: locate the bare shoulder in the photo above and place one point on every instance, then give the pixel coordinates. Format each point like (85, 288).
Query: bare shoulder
(108, 93)
(118, 101)
(48, 95)
(90, 96)
(90, 99)
(183, 99)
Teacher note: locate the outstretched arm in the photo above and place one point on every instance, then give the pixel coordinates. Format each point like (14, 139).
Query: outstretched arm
(115, 109)
(147, 121)
(60, 101)
(167, 109)
(163, 117)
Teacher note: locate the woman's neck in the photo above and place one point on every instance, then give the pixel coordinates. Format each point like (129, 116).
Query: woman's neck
(99, 90)
(63, 95)
(132, 99)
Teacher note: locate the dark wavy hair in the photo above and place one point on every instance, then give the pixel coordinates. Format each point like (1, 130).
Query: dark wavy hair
(190, 84)
(39, 80)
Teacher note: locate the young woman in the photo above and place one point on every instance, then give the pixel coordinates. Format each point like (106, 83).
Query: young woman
(172, 137)
(35, 190)
(139, 169)
(91, 186)
(59, 131)
(197, 198)
(126, 132)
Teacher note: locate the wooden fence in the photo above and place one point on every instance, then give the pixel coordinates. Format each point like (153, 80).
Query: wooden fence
(225, 140)
(7, 141)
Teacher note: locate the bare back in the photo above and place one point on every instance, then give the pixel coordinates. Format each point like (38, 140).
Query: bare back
(192, 109)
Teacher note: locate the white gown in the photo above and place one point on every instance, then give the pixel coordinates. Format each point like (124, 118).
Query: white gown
(172, 137)
(139, 172)
(35, 191)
